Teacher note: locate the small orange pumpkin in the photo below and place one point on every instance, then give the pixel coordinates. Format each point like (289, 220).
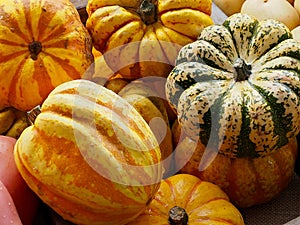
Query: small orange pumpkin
(185, 199)
(42, 44)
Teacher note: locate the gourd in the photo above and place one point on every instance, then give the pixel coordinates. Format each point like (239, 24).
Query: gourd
(229, 7)
(43, 44)
(296, 5)
(236, 90)
(247, 181)
(151, 106)
(142, 37)
(269, 9)
(90, 155)
(185, 199)
(296, 33)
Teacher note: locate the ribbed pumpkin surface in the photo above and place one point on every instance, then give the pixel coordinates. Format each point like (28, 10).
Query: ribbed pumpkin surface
(203, 202)
(42, 44)
(246, 181)
(90, 155)
(237, 87)
(142, 37)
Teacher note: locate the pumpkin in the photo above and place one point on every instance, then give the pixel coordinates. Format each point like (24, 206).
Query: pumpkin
(236, 91)
(229, 7)
(269, 9)
(90, 155)
(43, 44)
(151, 105)
(142, 37)
(247, 181)
(185, 199)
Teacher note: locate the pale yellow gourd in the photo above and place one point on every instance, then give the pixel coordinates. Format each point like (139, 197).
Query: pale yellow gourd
(229, 7)
(297, 6)
(296, 33)
(272, 9)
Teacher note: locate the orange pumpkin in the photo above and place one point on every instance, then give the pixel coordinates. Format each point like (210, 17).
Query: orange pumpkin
(42, 44)
(185, 199)
(142, 37)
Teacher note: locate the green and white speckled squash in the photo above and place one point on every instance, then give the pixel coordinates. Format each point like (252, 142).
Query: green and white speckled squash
(237, 87)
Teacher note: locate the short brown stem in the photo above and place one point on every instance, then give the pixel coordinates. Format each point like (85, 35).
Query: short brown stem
(178, 216)
(148, 12)
(241, 69)
(35, 48)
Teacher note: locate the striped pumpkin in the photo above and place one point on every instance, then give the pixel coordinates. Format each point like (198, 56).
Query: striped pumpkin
(141, 38)
(42, 44)
(185, 199)
(90, 155)
(237, 87)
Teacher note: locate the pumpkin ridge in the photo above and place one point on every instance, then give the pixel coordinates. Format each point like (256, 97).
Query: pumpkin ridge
(278, 116)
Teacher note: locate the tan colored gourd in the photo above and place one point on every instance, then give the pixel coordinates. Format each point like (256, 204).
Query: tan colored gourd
(296, 33)
(297, 6)
(279, 10)
(229, 7)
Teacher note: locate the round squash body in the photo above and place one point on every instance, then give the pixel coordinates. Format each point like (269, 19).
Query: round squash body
(203, 202)
(142, 37)
(90, 155)
(151, 105)
(236, 88)
(279, 10)
(229, 7)
(246, 181)
(43, 44)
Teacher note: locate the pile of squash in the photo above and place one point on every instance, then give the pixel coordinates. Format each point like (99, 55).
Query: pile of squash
(149, 113)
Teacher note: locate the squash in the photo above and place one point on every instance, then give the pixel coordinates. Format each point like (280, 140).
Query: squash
(142, 37)
(236, 91)
(296, 33)
(297, 6)
(150, 104)
(43, 44)
(280, 10)
(185, 199)
(229, 7)
(90, 155)
(247, 181)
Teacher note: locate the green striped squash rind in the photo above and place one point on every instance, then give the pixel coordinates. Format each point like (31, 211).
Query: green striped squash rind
(248, 118)
(90, 155)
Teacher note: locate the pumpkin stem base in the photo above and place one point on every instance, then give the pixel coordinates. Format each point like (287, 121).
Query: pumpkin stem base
(178, 216)
(241, 70)
(35, 48)
(148, 12)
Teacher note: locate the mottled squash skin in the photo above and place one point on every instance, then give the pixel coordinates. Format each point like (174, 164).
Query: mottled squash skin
(236, 93)
(247, 181)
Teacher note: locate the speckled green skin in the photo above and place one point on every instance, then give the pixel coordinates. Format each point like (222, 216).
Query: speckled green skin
(249, 113)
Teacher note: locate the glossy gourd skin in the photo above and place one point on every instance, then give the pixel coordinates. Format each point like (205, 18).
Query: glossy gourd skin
(237, 87)
(43, 44)
(142, 37)
(90, 156)
(203, 202)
